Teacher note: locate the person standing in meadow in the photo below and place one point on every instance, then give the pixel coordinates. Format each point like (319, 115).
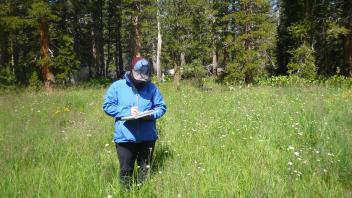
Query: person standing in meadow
(134, 139)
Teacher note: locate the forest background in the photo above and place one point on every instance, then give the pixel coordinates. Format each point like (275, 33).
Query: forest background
(248, 41)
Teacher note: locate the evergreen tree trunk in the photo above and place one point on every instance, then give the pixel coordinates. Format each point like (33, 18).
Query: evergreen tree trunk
(348, 53)
(225, 57)
(118, 47)
(183, 59)
(347, 15)
(93, 65)
(98, 40)
(109, 27)
(158, 51)
(177, 69)
(17, 70)
(108, 59)
(137, 36)
(215, 61)
(177, 74)
(4, 45)
(154, 49)
(48, 76)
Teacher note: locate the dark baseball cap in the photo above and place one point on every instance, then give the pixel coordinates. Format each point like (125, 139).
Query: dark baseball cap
(141, 69)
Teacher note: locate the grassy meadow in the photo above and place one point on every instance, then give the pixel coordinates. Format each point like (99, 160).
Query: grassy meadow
(218, 142)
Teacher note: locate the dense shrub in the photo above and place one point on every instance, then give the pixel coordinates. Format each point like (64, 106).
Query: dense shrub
(294, 80)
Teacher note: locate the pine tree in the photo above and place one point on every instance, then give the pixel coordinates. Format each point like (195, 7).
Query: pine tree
(251, 40)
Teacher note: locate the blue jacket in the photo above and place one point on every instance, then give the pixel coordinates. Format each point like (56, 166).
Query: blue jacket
(119, 99)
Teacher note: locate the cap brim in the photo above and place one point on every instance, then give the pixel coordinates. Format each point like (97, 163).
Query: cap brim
(140, 77)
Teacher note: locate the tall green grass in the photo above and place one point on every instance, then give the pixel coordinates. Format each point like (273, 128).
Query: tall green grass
(218, 142)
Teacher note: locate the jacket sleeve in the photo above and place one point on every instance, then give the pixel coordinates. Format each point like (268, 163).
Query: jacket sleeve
(158, 104)
(111, 104)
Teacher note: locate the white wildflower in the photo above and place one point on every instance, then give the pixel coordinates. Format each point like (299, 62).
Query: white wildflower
(290, 148)
(296, 153)
(290, 163)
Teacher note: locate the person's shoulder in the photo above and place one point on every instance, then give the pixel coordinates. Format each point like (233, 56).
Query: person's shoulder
(118, 83)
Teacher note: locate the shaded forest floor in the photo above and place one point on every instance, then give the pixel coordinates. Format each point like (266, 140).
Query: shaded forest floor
(218, 142)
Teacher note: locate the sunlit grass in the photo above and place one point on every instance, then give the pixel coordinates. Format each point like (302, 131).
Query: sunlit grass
(216, 142)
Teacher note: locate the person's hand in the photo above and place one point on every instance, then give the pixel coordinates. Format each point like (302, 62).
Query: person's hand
(134, 110)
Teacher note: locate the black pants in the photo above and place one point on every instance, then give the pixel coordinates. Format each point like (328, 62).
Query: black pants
(128, 153)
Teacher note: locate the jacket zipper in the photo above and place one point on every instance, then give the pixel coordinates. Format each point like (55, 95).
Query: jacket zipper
(137, 98)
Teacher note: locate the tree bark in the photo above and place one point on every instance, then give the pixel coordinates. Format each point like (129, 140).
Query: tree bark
(154, 49)
(348, 53)
(48, 76)
(100, 39)
(137, 36)
(93, 65)
(108, 59)
(177, 69)
(183, 59)
(118, 47)
(215, 61)
(177, 75)
(97, 37)
(4, 44)
(158, 50)
(17, 69)
(347, 15)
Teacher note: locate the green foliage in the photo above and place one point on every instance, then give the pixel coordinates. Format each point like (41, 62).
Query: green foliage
(300, 31)
(251, 42)
(6, 75)
(320, 24)
(294, 80)
(241, 33)
(339, 81)
(97, 83)
(196, 71)
(65, 61)
(302, 63)
(247, 66)
(335, 30)
(40, 8)
(35, 84)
